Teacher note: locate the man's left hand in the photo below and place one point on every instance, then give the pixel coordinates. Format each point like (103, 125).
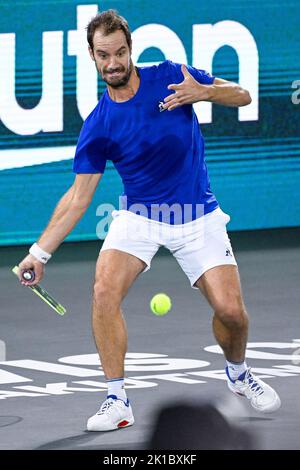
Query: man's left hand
(187, 92)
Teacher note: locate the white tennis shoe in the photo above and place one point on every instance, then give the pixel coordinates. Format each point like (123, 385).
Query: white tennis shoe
(113, 414)
(262, 397)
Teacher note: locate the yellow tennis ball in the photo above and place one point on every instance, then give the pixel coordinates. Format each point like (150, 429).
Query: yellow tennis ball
(160, 304)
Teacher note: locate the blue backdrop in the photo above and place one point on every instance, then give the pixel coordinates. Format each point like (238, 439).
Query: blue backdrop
(47, 87)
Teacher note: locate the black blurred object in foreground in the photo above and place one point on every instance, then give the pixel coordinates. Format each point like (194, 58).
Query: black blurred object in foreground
(185, 427)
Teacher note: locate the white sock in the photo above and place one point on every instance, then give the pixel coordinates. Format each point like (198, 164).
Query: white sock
(116, 387)
(235, 369)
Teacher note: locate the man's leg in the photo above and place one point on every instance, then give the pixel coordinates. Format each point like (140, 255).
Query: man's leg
(222, 289)
(115, 273)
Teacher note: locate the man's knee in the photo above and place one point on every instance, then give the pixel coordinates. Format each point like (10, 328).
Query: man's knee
(106, 296)
(232, 313)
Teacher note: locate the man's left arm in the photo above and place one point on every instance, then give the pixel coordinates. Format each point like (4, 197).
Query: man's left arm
(228, 93)
(220, 91)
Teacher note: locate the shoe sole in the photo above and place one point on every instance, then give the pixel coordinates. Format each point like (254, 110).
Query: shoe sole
(122, 424)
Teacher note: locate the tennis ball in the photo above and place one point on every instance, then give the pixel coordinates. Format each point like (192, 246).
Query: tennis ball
(160, 304)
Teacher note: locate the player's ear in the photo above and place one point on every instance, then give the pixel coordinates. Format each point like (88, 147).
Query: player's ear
(91, 54)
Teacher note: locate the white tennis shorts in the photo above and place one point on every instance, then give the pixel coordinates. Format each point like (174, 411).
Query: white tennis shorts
(198, 245)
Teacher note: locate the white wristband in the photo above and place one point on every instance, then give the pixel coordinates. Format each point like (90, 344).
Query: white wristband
(41, 255)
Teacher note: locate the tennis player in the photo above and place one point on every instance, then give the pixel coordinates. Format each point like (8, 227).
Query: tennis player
(145, 124)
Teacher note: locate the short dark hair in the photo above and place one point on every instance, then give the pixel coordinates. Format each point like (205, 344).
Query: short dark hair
(108, 21)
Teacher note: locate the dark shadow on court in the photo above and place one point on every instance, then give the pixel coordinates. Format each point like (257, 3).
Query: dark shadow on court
(9, 420)
(183, 426)
(89, 441)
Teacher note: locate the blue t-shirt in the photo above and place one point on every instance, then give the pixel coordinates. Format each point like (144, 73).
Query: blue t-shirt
(159, 155)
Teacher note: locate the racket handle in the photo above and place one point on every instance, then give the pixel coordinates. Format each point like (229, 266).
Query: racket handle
(28, 275)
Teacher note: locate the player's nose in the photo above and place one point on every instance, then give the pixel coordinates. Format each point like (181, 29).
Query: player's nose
(112, 64)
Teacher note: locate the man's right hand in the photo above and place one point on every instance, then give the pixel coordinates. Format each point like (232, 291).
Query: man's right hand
(30, 262)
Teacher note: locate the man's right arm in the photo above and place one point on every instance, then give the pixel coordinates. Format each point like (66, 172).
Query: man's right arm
(67, 213)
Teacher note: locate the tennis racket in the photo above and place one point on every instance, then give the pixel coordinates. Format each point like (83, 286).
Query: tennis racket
(28, 275)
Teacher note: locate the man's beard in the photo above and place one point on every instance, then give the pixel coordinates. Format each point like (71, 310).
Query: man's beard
(119, 80)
